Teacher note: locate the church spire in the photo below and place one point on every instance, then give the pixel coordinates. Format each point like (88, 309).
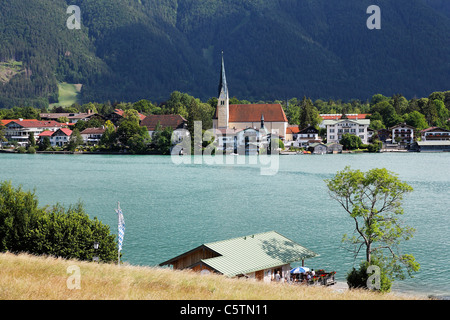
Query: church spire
(223, 101)
(223, 80)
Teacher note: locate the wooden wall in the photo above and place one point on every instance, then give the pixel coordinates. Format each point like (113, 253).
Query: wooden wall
(193, 258)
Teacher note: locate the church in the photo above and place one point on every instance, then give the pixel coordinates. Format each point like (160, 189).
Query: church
(232, 119)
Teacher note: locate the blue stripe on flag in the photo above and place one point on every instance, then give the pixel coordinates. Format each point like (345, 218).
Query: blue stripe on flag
(121, 228)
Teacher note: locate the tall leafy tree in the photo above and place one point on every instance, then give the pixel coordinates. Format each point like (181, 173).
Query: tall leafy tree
(309, 115)
(373, 200)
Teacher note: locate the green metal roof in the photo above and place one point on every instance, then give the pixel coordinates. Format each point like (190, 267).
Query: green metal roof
(434, 143)
(255, 252)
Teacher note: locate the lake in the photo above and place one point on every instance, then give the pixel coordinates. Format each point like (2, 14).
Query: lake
(170, 208)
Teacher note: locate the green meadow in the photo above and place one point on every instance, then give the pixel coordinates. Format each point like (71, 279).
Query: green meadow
(68, 94)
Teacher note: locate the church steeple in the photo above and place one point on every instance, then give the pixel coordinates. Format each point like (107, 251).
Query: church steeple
(223, 101)
(223, 79)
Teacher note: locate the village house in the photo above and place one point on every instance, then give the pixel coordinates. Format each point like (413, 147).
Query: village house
(384, 135)
(307, 136)
(58, 138)
(318, 148)
(292, 132)
(19, 130)
(174, 121)
(238, 117)
(92, 136)
(402, 133)
(435, 134)
(117, 115)
(72, 117)
(337, 128)
(258, 256)
(339, 116)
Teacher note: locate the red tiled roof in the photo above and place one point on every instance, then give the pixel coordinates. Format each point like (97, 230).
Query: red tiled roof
(46, 133)
(349, 116)
(292, 130)
(32, 123)
(253, 112)
(66, 131)
(6, 121)
(435, 129)
(165, 120)
(120, 113)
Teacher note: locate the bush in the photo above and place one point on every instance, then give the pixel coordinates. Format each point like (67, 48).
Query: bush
(350, 142)
(31, 150)
(375, 146)
(22, 150)
(358, 278)
(70, 234)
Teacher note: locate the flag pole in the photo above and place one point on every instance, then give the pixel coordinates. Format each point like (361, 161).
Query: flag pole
(118, 222)
(121, 231)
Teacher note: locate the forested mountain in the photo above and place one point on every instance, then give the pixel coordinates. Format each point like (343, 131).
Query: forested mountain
(127, 50)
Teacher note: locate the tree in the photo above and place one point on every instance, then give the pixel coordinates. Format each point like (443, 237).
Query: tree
(162, 139)
(45, 144)
(109, 136)
(62, 119)
(138, 143)
(416, 120)
(373, 199)
(442, 114)
(2, 135)
(309, 116)
(75, 140)
(350, 141)
(129, 126)
(31, 139)
(376, 125)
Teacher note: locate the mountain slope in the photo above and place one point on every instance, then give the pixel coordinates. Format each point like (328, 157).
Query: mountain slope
(128, 50)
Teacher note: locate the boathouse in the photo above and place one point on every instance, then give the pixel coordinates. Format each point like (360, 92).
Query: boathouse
(257, 256)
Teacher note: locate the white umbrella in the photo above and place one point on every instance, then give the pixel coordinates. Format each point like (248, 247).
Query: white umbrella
(299, 270)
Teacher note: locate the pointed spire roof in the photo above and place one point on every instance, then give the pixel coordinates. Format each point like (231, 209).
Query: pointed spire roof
(223, 79)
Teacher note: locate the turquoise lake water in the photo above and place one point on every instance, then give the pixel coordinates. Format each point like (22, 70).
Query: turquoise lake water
(170, 209)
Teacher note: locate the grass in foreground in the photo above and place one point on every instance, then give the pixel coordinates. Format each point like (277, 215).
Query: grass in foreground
(27, 277)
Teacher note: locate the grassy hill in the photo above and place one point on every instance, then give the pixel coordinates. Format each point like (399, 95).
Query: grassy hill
(68, 94)
(45, 278)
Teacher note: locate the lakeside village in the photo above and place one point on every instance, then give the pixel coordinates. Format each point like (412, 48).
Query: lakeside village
(238, 129)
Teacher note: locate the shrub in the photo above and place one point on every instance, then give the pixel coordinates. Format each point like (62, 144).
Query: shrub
(55, 231)
(357, 278)
(22, 150)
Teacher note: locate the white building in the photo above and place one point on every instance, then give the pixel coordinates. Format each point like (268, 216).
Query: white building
(337, 128)
(402, 133)
(92, 135)
(435, 134)
(58, 138)
(19, 130)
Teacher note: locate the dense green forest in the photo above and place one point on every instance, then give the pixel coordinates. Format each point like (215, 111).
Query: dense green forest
(383, 111)
(129, 50)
